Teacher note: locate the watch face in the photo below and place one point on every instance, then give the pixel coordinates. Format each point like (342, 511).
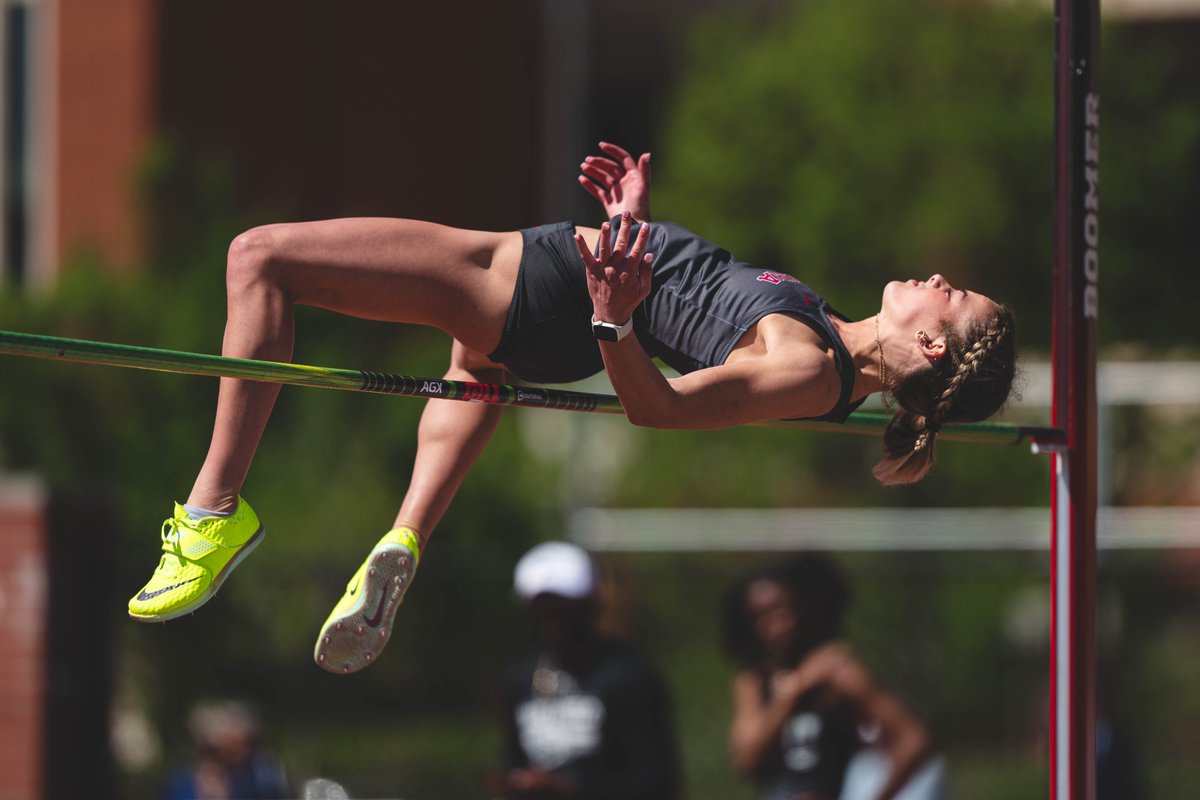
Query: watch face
(605, 333)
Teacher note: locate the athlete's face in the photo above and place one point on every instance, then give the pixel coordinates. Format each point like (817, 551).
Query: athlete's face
(772, 611)
(930, 305)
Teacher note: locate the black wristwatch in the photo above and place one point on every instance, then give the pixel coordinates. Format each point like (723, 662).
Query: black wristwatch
(610, 331)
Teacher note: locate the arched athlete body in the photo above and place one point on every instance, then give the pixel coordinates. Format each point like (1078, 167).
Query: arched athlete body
(751, 344)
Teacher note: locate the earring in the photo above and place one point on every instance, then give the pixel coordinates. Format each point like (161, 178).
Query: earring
(922, 337)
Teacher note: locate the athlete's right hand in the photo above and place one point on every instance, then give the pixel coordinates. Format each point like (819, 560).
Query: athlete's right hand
(619, 183)
(619, 280)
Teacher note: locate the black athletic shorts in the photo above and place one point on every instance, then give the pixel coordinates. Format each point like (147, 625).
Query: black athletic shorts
(548, 331)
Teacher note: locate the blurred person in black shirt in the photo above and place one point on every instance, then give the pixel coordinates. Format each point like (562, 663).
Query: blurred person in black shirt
(586, 716)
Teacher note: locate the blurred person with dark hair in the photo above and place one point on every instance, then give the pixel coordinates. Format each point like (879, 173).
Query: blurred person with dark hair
(231, 762)
(809, 720)
(586, 716)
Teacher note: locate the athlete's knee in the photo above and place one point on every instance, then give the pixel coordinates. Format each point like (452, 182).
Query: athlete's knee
(253, 260)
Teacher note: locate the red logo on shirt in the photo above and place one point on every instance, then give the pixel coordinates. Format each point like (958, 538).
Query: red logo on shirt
(775, 277)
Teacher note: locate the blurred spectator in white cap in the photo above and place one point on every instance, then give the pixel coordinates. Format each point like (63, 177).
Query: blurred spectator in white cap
(585, 717)
(555, 568)
(231, 761)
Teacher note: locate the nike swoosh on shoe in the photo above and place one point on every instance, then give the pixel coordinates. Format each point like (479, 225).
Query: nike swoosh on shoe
(144, 595)
(373, 620)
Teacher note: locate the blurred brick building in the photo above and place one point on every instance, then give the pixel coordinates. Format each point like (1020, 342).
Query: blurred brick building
(23, 604)
(441, 111)
(55, 671)
(77, 95)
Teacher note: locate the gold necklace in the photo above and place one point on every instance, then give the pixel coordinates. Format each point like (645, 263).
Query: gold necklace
(882, 368)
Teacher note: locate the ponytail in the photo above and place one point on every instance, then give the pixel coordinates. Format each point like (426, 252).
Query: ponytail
(907, 449)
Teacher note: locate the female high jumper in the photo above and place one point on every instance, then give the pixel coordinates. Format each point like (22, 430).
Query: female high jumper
(554, 304)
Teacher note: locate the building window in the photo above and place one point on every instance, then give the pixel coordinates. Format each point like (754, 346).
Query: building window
(16, 83)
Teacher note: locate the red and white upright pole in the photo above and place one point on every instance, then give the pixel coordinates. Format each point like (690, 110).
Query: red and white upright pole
(1075, 308)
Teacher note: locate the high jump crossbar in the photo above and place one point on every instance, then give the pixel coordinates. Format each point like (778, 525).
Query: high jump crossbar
(149, 358)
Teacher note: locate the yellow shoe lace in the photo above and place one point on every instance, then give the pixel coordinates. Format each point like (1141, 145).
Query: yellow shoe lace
(170, 546)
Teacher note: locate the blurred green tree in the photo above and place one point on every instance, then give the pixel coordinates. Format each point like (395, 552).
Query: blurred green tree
(852, 143)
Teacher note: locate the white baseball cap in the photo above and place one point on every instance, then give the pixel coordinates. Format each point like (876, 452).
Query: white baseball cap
(555, 568)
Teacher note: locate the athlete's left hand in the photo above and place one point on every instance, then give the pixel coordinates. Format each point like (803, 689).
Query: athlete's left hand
(619, 182)
(619, 280)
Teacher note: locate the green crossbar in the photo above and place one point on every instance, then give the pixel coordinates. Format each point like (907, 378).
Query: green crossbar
(151, 358)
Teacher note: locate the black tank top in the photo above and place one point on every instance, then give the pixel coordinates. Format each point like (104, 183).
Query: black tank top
(703, 300)
(815, 746)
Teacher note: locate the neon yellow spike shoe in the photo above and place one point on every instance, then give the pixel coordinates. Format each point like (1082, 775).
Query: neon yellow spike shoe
(361, 623)
(198, 556)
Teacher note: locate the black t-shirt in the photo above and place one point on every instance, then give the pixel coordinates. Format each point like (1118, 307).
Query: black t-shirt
(608, 726)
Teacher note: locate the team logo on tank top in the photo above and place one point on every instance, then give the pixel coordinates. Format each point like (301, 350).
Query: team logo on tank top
(770, 276)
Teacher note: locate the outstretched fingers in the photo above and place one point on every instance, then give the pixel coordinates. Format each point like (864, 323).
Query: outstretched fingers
(601, 178)
(622, 245)
(646, 274)
(602, 169)
(643, 165)
(640, 262)
(618, 152)
(605, 244)
(619, 260)
(590, 263)
(639, 244)
(591, 187)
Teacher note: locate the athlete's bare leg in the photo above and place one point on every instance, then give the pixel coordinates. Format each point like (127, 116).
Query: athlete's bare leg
(383, 269)
(452, 435)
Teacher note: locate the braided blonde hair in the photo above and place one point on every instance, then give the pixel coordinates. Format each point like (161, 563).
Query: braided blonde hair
(970, 383)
